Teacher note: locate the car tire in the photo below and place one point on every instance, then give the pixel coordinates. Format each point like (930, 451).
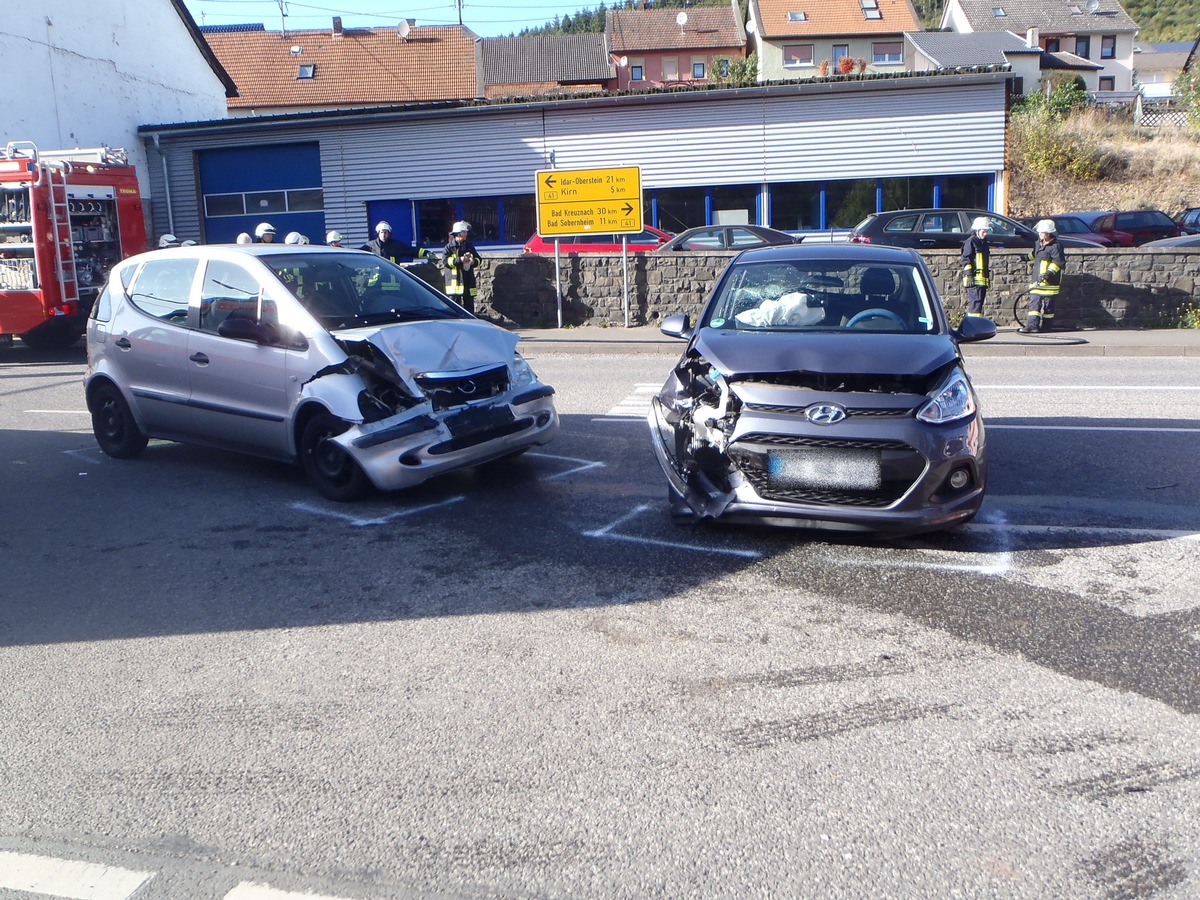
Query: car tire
(116, 430)
(329, 468)
(54, 334)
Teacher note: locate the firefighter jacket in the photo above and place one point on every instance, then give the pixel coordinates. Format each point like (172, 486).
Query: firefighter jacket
(392, 249)
(976, 262)
(459, 260)
(1049, 261)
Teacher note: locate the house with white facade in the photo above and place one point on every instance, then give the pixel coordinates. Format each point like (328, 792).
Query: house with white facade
(1091, 38)
(82, 74)
(801, 39)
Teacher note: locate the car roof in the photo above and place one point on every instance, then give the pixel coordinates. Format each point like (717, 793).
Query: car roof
(227, 251)
(866, 253)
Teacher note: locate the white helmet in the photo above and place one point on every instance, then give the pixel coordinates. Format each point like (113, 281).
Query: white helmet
(383, 226)
(244, 238)
(333, 237)
(188, 243)
(168, 240)
(981, 223)
(295, 237)
(264, 228)
(1046, 226)
(460, 227)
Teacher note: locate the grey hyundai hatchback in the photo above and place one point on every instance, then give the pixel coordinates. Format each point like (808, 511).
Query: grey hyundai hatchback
(823, 387)
(336, 359)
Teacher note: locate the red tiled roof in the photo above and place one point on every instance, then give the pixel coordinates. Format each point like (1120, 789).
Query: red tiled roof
(708, 27)
(360, 67)
(834, 18)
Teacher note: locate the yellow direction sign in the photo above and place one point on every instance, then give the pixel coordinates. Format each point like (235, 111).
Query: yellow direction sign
(584, 201)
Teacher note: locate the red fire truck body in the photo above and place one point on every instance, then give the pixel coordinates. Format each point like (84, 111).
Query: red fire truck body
(65, 218)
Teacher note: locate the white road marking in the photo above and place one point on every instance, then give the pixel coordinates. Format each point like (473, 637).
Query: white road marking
(583, 465)
(90, 454)
(1122, 428)
(634, 406)
(251, 890)
(68, 878)
(607, 533)
(68, 412)
(360, 522)
(1084, 387)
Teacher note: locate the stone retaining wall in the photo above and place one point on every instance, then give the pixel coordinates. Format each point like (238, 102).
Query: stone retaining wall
(1127, 288)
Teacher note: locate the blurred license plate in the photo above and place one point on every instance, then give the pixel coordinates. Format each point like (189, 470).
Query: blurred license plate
(857, 469)
(479, 418)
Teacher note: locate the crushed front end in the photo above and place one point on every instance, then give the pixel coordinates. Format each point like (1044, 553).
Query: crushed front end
(863, 452)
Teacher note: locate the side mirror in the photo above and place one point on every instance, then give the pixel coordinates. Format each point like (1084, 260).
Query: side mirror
(676, 326)
(974, 328)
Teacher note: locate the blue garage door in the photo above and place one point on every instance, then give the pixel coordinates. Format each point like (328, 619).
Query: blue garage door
(278, 183)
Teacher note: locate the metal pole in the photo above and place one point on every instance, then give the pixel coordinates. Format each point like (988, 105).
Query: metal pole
(625, 273)
(558, 282)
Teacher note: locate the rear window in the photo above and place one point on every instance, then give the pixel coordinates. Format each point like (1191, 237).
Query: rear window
(900, 223)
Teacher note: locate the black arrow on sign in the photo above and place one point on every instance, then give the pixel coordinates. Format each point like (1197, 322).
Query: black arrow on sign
(628, 209)
(549, 181)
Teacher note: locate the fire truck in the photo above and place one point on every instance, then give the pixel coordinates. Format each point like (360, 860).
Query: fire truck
(66, 216)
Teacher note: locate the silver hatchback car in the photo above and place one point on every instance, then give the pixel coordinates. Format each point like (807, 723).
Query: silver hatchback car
(337, 359)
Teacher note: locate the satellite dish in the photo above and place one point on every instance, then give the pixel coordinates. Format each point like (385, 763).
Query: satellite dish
(403, 29)
(623, 61)
(1093, 5)
(750, 26)
(681, 20)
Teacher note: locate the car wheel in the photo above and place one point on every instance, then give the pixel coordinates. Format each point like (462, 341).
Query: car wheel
(113, 424)
(330, 469)
(55, 334)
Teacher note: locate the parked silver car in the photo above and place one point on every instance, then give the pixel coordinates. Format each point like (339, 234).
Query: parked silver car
(334, 358)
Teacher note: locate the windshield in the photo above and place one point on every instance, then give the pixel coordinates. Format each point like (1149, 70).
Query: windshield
(826, 295)
(353, 289)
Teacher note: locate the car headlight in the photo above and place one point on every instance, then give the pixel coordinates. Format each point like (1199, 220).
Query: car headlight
(522, 374)
(953, 399)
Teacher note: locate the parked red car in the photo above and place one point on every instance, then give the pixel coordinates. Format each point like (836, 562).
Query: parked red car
(649, 238)
(1075, 227)
(1140, 224)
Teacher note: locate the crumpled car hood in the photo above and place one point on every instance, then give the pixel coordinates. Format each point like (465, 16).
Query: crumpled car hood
(439, 346)
(745, 352)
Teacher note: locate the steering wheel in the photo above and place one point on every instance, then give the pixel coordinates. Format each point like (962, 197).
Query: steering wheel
(878, 313)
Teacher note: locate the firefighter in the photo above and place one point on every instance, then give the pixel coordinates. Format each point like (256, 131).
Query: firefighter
(334, 239)
(977, 266)
(167, 241)
(460, 259)
(264, 233)
(386, 247)
(1048, 264)
(244, 238)
(295, 237)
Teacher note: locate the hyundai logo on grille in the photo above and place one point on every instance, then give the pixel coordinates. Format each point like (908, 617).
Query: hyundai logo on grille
(824, 414)
(467, 387)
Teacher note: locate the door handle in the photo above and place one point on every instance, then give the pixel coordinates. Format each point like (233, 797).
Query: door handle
(123, 343)
(199, 358)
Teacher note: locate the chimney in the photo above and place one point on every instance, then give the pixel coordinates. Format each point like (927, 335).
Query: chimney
(1031, 38)
(337, 26)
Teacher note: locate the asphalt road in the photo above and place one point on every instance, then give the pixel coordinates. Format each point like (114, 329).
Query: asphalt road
(525, 681)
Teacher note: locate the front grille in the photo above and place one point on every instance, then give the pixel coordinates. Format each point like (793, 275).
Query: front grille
(900, 467)
(880, 411)
(446, 392)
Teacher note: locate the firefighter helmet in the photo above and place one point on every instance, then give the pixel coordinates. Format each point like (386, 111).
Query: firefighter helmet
(460, 227)
(295, 237)
(245, 238)
(264, 228)
(188, 243)
(168, 240)
(981, 223)
(383, 226)
(1046, 226)
(334, 237)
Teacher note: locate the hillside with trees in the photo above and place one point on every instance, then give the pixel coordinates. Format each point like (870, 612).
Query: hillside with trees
(1159, 20)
